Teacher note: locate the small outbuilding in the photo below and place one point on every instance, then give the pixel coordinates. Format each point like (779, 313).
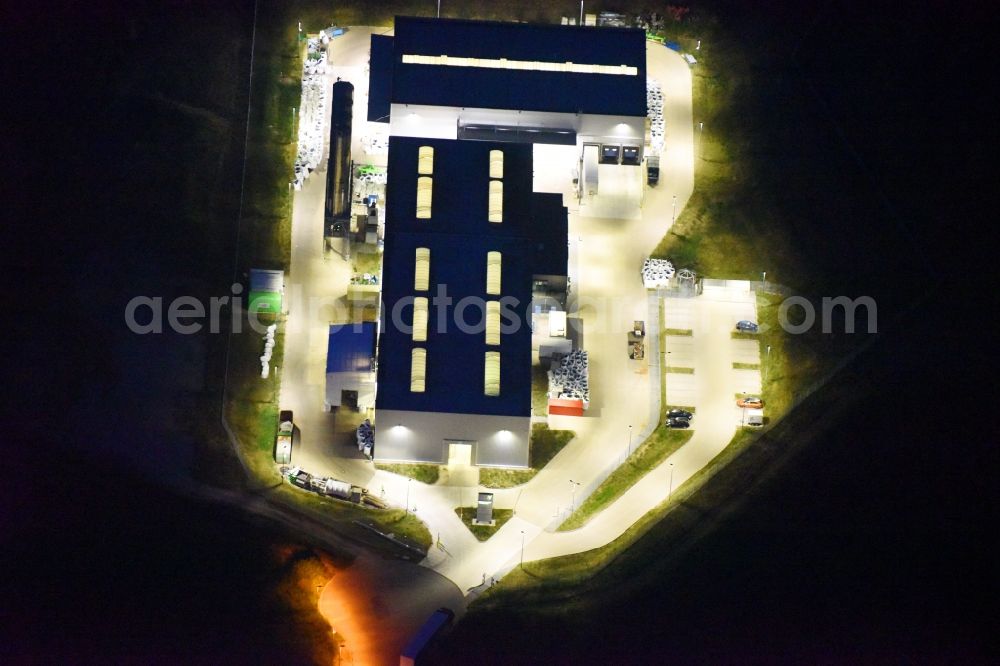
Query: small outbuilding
(266, 291)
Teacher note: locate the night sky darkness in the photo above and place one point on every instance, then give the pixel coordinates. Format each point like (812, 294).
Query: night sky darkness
(891, 561)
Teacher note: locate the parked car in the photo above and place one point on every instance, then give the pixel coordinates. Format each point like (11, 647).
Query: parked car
(750, 402)
(679, 414)
(747, 326)
(678, 423)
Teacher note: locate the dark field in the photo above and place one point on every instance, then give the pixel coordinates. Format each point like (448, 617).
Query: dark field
(857, 530)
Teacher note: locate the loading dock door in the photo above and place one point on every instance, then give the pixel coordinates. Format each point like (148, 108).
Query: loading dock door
(459, 453)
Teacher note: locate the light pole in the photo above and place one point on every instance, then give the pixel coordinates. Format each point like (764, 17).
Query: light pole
(670, 489)
(581, 12)
(408, 495)
(767, 361)
(522, 549)
(743, 411)
(763, 278)
(439, 8)
(572, 505)
(628, 451)
(673, 213)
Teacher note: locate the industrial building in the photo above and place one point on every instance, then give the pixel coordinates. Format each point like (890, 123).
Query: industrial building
(579, 92)
(475, 241)
(467, 244)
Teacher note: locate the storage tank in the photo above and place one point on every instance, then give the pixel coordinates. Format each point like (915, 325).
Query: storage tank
(338, 174)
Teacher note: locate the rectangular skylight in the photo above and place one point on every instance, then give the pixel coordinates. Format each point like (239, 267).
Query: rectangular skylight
(491, 383)
(496, 164)
(496, 201)
(425, 161)
(420, 319)
(422, 269)
(493, 261)
(492, 322)
(524, 65)
(424, 186)
(418, 368)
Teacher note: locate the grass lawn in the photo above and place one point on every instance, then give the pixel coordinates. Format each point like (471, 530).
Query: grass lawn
(685, 332)
(676, 369)
(539, 390)
(483, 532)
(746, 366)
(545, 444)
(744, 335)
(650, 453)
(424, 473)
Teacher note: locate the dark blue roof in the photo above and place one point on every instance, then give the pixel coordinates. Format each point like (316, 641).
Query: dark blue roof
(532, 239)
(351, 347)
(379, 78)
(519, 89)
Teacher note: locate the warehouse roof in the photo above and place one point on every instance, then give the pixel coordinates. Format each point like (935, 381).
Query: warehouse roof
(380, 84)
(531, 240)
(507, 70)
(351, 347)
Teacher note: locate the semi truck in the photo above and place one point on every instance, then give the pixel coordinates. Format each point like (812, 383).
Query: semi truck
(434, 625)
(331, 487)
(283, 446)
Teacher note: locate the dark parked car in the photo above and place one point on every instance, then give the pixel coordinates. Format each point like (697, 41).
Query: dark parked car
(678, 423)
(747, 326)
(679, 414)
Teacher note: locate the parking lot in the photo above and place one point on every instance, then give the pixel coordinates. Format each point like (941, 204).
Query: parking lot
(700, 365)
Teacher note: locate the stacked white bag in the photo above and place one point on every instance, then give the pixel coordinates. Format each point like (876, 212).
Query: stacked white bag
(265, 359)
(312, 112)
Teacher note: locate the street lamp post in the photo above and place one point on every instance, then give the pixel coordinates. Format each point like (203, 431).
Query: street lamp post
(439, 8)
(670, 489)
(743, 411)
(572, 506)
(522, 549)
(767, 361)
(628, 450)
(408, 495)
(673, 213)
(581, 12)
